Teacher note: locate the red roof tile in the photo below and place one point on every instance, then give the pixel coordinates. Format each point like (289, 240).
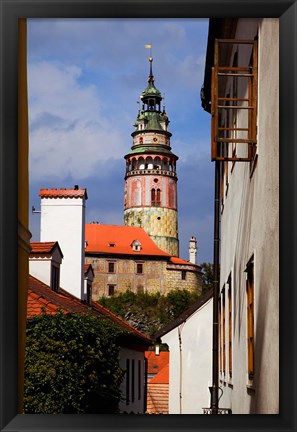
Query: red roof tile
(162, 377)
(42, 298)
(156, 362)
(43, 247)
(157, 398)
(63, 193)
(116, 239)
(176, 260)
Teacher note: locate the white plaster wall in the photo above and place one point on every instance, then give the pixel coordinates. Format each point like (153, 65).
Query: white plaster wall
(40, 268)
(250, 225)
(137, 406)
(63, 219)
(190, 371)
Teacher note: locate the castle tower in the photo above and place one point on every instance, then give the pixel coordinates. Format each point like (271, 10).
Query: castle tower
(151, 181)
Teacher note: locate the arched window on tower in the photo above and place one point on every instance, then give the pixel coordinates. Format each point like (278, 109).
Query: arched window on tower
(156, 197)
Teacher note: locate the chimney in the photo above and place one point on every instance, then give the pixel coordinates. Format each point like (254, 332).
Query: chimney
(193, 250)
(63, 220)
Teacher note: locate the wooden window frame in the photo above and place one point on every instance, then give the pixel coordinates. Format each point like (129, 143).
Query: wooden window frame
(230, 326)
(223, 321)
(250, 307)
(220, 336)
(221, 104)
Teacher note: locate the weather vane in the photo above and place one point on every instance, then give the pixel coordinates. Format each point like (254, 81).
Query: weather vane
(150, 48)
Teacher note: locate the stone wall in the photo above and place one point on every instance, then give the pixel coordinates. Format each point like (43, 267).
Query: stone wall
(157, 276)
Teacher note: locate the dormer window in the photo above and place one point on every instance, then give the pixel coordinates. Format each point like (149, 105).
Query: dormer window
(136, 246)
(111, 244)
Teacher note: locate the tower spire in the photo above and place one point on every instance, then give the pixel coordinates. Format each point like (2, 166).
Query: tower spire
(151, 76)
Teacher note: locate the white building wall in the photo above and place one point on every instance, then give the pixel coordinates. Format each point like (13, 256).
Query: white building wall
(63, 219)
(190, 368)
(40, 268)
(136, 406)
(250, 226)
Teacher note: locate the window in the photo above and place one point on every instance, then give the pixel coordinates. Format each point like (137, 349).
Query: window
(111, 267)
(156, 197)
(250, 317)
(230, 324)
(127, 381)
(133, 381)
(183, 274)
(232, 140)
(55, 278)
(139, 380)
(139, 268)
(111, 289)
(89, 293)
(223, 331)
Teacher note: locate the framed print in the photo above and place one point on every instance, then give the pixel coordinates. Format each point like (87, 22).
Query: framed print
(15, 198)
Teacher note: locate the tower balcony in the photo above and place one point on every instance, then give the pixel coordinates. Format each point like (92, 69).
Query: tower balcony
(151, 172)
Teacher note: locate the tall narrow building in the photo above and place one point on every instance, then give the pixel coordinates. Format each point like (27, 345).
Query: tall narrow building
(151, 181)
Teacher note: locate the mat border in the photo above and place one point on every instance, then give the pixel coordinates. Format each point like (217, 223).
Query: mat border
(10, 11)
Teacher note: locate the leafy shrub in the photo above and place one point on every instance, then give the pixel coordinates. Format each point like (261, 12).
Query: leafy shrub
(71, 365)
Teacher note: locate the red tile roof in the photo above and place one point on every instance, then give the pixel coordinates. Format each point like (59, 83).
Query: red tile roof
(158, 392)
(116, 239)
(162, 377)
(43, 247)
(63, 193)
(156, 362)
(157, 398)
(176, 260)
(42, 299)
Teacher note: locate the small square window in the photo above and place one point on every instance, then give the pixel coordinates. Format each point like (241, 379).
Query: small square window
(139, 268)
(111, 267)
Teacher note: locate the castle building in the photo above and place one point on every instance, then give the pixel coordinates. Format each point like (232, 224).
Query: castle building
(151, 182)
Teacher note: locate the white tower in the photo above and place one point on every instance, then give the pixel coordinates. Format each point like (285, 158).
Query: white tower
(193, 250)
(63, 220)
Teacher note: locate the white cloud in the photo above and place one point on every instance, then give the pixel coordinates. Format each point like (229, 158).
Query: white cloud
(69, 130)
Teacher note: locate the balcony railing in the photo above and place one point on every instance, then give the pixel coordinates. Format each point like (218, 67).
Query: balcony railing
(151, 171)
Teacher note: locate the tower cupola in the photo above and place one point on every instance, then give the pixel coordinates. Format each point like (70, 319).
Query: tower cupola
(151, 180)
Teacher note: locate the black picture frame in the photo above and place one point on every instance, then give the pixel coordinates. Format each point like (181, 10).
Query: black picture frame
(10, 12)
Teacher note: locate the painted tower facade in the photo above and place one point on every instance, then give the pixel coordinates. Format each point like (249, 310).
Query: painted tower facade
(151, 181)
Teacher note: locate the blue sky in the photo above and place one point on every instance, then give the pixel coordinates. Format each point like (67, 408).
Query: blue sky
(85, 77)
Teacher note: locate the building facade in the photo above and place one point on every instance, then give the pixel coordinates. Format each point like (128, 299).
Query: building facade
(189, 340)
(151, 182)
(241, 91)
(126, 258)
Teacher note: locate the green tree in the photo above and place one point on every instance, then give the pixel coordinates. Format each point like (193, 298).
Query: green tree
(207, 276)
(149, 312)
(72, 365)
